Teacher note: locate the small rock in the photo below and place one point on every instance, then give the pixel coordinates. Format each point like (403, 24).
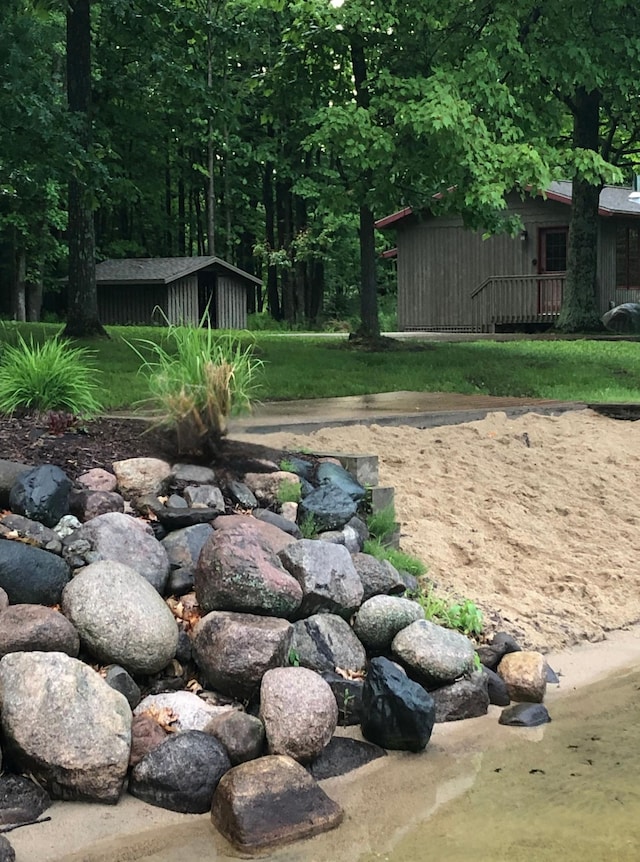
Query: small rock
(138, 477)
(31, 576)
(41, 494)
(21, 800)
(146, 734)
(120, 680)
(343, 755)
(465, 698)
(525, 715)
(34, 627)
(525, 675)
(241, 734)
(98, 480)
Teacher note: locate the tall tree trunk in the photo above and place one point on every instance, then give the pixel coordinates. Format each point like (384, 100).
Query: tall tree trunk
(283, 211)
(369, 322)
(273, 297)
(82, 293)
(182, 215)
(211, 187)
(18, 309)
(579, 311)
(35, 289)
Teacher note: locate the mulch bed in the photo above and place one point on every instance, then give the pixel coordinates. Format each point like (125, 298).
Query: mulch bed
(99, 442)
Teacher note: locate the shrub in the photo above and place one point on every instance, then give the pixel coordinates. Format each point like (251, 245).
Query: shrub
(48, 376)
(464, 615)
(198, 384)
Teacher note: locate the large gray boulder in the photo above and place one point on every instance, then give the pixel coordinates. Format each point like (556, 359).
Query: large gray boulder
(299, 712)
(121, 618)
(329, 581)
(378, 576)
(624, 318)
(181, 773)
(324, 642)
(271, 801)
(435, 654)
(380, 618)
(239, 571)
(234, 651)
(126, 540)
(31, 576)
(64, 725)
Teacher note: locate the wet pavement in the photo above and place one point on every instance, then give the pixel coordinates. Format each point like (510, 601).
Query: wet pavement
(419, 409)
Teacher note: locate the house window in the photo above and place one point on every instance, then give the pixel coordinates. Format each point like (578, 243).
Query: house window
(554, 249)
(628, 256)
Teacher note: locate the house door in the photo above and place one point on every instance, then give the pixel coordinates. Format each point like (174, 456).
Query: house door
(552, 260)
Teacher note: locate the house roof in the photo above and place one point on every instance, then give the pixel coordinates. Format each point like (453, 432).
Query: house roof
(614, 200)
(163, 270)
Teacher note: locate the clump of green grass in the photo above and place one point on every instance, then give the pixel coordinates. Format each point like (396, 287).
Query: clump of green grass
(308, 527)
(382, 524)
(289, 492)
(463, 615)
(198, 382)
(402, 561)
(49, 376)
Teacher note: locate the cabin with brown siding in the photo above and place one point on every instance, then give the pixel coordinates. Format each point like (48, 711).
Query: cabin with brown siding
(174, 289)
(452, 279)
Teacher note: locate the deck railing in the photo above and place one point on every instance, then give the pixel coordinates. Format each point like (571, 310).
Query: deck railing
(516, 299)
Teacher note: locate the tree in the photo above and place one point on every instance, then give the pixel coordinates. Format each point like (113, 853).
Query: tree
(82, 293)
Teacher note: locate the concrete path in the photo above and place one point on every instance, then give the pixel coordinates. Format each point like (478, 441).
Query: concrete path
(419, 409)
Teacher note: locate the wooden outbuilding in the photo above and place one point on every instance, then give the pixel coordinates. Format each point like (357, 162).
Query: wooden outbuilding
(452, 279)
(148, 290)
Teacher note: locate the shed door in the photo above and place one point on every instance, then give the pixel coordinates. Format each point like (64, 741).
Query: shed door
(552, 259)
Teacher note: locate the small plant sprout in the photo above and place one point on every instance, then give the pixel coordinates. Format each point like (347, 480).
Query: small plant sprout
(288, 492)
(308, 527)
(287, 466)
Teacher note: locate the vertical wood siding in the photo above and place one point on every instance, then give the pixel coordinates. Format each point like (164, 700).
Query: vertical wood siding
(182, 300)
(440, 263)
(231, 303)
(127, 304)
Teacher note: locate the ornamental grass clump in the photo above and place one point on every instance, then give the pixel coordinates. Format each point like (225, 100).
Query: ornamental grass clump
(50, 376)
(197, 379)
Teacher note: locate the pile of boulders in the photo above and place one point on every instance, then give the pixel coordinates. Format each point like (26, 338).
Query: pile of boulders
(167, 631)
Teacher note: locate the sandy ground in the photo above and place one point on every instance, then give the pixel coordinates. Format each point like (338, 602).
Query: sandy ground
(533, 518)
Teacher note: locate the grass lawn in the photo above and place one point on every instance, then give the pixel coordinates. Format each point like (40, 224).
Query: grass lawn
(312, 367)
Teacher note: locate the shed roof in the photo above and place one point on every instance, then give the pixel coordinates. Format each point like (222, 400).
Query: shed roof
(163, 270)
(614, 200)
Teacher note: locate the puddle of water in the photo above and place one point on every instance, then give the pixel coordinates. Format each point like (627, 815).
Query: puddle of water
(568, 791)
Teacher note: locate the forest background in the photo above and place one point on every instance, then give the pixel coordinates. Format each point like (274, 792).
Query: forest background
(273, 133)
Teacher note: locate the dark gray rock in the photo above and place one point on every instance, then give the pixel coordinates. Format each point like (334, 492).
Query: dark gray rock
(238, 570)
(35, 627)
(174, 518)
(21, 800)
(17, 527)
(120, 680)
(348, 695)
(7, 853)
(193, 474)
(496, 688)
(397, 713)
(184, 653)
(234, 651)
(334, 474)
(329, 581)
(241, 734)
(491, 654)
(329, 507)
(465, 698)
(9, 472)
(624, 318)
(175, 501)
(180, 582)
(183, 546)
(301, 467)
(242, 495)
(62, 724)
(378, 577)
(182, 773)
(278, 521)
(552, 676)
(204, 497)
(325, 642)
(269, 802)
(41, 494)
(343, 755)
(525, 715)
(31, 576)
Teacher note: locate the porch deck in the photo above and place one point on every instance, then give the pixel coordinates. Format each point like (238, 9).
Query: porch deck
(516, 300)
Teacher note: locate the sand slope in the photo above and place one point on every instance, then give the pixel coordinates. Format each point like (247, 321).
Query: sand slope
(535, 518)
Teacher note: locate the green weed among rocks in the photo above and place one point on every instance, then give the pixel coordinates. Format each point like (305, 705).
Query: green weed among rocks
(464, 615)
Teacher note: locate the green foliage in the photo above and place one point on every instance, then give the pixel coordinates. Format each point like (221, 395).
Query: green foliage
(402, 561)
(288, 492)
(197, 381)
(286, 466)
(293, 658)
(48, 376)
(464, 615)
(308, 527)
(382, 523)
